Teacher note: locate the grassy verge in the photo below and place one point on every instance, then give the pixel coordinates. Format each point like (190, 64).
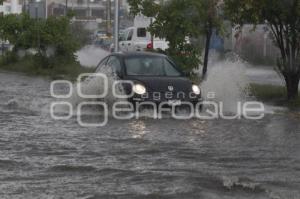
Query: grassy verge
(273, 94)
(68, 71)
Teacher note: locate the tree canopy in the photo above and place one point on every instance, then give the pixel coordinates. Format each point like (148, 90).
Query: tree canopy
(179, 21)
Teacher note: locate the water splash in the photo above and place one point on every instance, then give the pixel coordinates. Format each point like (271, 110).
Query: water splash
(90, 56)
(227, 83)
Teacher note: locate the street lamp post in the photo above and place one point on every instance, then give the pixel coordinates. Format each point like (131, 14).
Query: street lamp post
(36, 9)
(116, 32)
(108, 18)
(46, 9)
(90, 9)
(66, 8)
(37, 25)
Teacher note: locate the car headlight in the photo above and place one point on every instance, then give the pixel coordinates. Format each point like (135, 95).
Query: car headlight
(139, 89)
(196, 89)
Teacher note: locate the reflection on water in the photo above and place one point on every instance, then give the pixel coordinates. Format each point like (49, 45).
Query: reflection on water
(138, 129)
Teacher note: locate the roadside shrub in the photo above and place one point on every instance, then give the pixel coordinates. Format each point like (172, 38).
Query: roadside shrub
(8, 58)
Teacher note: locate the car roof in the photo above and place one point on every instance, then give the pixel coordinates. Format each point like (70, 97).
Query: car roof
(137, 54)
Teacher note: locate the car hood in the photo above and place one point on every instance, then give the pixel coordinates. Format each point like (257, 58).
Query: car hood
(163, 84)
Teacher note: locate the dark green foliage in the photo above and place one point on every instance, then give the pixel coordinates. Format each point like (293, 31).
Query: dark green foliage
(273, 94)
(31, 65)
(52, 39)
(25, 33)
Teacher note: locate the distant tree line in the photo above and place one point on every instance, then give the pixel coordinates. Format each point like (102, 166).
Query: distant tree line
(49, 38)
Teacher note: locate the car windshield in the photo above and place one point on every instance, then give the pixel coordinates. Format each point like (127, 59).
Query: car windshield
(150, 66)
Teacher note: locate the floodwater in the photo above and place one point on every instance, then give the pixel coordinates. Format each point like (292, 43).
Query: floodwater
(141, 158)
(265, 75)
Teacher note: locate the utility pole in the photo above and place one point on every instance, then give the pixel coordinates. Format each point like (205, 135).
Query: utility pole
(90, 10)
(37, 3)
(116, 21)
(24, 6)
(46, 9)
(152, 37)
(66, 8)
(108, 17)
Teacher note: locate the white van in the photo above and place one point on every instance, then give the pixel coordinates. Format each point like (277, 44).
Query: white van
(139, 39)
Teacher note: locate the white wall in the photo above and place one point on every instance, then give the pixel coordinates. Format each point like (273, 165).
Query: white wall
(11, 7)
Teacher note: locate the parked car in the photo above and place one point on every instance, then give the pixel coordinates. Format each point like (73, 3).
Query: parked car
(104, 43)
(139, 39)
(99, 34)
(155, 77)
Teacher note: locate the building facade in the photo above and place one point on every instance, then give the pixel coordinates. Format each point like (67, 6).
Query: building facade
(83, 9)
(11, 7)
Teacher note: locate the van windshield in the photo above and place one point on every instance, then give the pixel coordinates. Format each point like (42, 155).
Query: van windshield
(150, 66)
(141, 32)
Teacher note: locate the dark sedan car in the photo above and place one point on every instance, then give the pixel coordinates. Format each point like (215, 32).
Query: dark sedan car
(154, 77)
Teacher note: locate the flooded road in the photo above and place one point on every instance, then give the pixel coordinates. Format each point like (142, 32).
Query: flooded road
(43, 158)
(265, 75)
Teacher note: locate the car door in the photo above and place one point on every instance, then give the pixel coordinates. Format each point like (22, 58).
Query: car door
(130, 39)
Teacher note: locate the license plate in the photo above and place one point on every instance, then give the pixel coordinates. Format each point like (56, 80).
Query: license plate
(174, 102)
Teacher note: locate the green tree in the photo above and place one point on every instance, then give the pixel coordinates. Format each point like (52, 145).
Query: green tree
(57, 34)
(10, 28)
(178, 21)
(53, 33)
(283, 18)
